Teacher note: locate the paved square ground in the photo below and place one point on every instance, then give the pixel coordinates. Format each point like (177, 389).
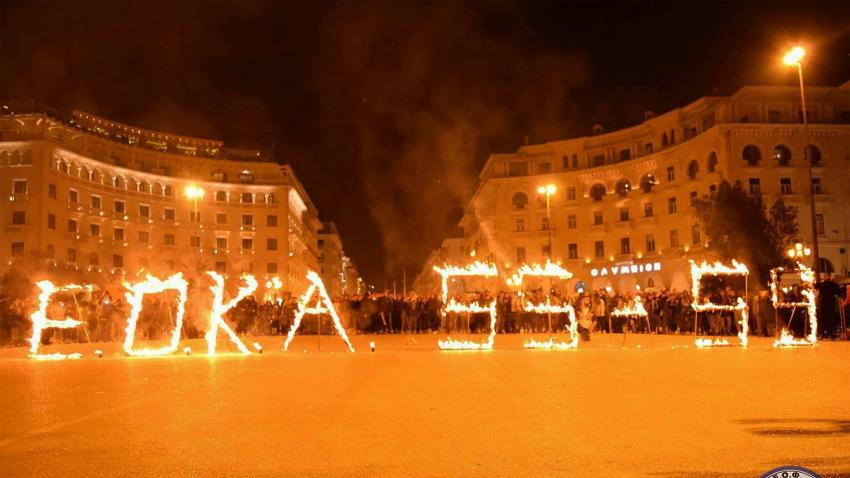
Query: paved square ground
(657, 407)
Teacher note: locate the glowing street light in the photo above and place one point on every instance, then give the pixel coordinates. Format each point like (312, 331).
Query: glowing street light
(194, 192)
(799, 251)
(794, 57)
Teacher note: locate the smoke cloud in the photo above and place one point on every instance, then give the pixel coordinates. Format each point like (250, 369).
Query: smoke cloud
(431, 91)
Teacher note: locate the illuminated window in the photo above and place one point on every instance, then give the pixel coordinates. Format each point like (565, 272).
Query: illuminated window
(782, 155)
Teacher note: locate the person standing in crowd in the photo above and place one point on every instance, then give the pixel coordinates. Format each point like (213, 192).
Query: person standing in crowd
(828, 290)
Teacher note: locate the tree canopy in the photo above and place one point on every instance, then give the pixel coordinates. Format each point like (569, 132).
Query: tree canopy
(738, 226)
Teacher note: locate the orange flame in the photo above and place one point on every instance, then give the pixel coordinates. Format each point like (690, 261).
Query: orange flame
(704, 343)
(219, 308)
(637, 311)
(551, 344)
(549, 270)
(737, 268)
(324, 306)
(135, 296)
(477, 268)
(788, 340)
(41, 322)
(807, 277)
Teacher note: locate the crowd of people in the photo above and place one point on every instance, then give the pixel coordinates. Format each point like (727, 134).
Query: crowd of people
(667, 312)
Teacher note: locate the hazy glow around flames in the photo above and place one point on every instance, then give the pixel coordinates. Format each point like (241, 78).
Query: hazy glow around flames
(807, 277)
(551, 344)
(549, 270)
(41, 322)
(716, 269)
(452, 344)
(704, 343)
(324, 306)
(219, 308)
(476, 269)
(555, 271)
(788, 340)
(135, 297)
(637, 311)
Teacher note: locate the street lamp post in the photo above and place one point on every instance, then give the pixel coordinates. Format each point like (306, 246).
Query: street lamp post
(195, 193)
(548, 190)
(794, 57)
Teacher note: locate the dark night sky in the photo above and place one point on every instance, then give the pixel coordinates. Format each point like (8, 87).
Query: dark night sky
(387, 112)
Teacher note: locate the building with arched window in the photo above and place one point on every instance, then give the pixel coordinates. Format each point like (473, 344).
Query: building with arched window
(644, 236)
(108, 199)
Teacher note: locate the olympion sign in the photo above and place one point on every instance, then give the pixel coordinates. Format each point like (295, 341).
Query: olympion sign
(626, 269)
